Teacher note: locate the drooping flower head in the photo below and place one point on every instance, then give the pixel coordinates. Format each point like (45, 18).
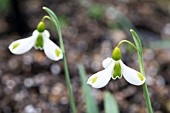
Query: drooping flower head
(40, 40)
(114, 68)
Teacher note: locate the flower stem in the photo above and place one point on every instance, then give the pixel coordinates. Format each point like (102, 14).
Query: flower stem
(126, 41)
(145, 88)
(67, 75)
(45, 17)
(142, 70)
(54, 19)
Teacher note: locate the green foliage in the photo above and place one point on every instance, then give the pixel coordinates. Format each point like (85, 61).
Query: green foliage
(163, 44)
(4, 5)
(96, 11)
(110, 104)
(122, 22)
(137, 41)
(63, 21)
(90, 102)
(139, 48)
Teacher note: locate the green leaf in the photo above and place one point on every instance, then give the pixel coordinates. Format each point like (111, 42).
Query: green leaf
(137, 41)
(139, 47)
(5, 5)
(110, 104)
(91, 106)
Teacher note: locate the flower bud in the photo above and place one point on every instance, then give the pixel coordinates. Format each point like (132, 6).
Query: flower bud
(116, 55)
(41, 26)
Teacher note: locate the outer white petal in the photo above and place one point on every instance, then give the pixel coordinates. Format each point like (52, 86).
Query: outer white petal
(46, 33)
(106, 62)
(131, 75)
(23, 45)
(50, 49)
(101, 78)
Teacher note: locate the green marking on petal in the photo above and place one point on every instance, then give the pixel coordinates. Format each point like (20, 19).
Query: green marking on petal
(117, 70)
(141, 77)
(57, 52)
(39, 42)
(15, 45)
(93, 80)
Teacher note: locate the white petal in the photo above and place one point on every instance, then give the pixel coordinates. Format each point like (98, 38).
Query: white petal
(23, 45)
(106, 62)
(101, 78)
(46, 34)
(51, 50)
(131, 75)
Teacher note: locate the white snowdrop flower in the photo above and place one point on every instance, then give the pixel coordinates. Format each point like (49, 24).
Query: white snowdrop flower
(40, 40)
(115, 68)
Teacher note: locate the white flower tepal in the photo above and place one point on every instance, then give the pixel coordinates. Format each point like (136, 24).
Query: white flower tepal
(39, 40)
(115, 69)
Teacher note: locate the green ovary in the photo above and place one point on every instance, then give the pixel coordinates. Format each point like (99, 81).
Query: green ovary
(117, 71)
(57, 52)
(116, 54)
(15, 45)
(39, 42)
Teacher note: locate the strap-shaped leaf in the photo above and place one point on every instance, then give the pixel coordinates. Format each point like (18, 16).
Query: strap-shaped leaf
(110, 103)
(139, 47)
(91, 106)
(137, 40)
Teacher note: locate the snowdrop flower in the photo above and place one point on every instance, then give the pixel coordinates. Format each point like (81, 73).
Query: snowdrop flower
(40, 40)
(115, 68)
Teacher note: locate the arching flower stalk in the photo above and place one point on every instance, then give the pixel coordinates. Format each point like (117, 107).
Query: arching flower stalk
(40, 40)
(114, 68)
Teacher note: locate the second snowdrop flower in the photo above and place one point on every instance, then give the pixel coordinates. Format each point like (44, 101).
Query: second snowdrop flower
(40, 40)
(115, 68)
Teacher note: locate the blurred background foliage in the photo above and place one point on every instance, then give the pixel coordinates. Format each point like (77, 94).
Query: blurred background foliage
(4, 5)
(31, 83)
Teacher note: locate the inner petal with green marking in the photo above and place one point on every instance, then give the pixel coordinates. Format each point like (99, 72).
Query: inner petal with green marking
(93, 80)
(117, 70)
(57, 52)
(39, 42)
(15, 45)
